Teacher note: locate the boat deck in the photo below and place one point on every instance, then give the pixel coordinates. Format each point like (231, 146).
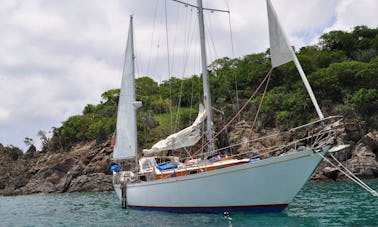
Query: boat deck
(193, 168)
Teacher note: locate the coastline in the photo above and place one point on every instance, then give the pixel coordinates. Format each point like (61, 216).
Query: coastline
(85, 167)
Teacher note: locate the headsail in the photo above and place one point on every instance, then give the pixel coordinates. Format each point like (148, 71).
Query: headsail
(184, 138)
(126, 136)
(281, 52)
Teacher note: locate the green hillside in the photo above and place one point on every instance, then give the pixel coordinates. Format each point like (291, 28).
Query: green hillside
(342, 70)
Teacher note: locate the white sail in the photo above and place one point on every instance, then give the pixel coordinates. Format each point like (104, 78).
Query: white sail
(126, 133)
(280, 50)
(184, 138)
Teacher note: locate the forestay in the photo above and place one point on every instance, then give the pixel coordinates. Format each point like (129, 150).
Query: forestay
(185, 138)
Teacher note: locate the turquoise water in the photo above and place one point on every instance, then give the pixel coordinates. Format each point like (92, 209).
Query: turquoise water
(326, 204)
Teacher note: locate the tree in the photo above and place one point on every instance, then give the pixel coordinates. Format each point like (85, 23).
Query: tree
(110, 97)
(28, 141)
(365, 102)
(44, 139)
(339, 80)
(338, 40)
(13, 152)
(146, 88)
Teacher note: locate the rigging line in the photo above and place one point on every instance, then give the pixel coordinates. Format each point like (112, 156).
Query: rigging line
(237, 114)
(188, 44)
(175, 39)
(230, 28)
(178, 106)
(261, 102)
(354, 176)
(191, 101)
(209, 36)
(364, 186)
(184, 69)
(186, 38)
(152, 36)
(157, 53)
(188, 48)
(176, 124)
(168, 61)
(233, 56)
(194, 6)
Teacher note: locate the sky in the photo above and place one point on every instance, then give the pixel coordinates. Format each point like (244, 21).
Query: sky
(58, 56)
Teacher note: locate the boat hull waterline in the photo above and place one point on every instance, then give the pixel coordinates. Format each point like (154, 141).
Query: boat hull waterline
(267, 185)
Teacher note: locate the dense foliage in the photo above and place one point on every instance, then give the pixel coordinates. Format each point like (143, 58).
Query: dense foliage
(342, 70)
(12, 152)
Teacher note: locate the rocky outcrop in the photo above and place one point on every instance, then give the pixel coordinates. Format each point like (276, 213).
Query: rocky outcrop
(242, 134)
(84, 168)
(361, 159)
(12, 164)
(364, 160)
(91, 182)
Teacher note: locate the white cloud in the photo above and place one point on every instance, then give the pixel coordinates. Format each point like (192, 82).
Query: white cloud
(58, 56)
(350, 13)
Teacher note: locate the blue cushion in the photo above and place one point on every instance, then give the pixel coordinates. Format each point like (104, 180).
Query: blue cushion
(165, 166)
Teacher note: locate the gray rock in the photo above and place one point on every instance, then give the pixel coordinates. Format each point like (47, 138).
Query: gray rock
(93, 182)
(364, 158)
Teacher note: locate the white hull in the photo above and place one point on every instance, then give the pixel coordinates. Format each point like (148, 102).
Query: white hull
(263, 186)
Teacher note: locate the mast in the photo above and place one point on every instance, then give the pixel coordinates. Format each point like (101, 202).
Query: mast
(205, 79)
(135, 104)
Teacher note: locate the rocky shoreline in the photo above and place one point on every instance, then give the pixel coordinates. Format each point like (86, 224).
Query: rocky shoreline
(361, 158)
(85, 167)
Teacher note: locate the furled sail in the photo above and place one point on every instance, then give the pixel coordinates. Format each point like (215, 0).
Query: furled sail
(280, 50)
(126, 132)
(184, 138)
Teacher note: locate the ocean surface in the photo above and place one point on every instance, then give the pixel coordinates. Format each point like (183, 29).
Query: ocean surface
(320, 204)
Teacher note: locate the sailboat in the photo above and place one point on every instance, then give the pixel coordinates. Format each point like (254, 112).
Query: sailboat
(207, 182)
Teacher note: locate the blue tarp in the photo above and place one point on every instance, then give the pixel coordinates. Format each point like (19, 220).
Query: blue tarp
(165, 166)
(114, 168)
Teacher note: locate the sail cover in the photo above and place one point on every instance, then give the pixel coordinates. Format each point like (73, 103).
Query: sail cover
(280, 50)
(126, 132)
(184, 138)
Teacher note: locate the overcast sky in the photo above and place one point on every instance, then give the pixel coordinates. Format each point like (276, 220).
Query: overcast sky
(58, 56)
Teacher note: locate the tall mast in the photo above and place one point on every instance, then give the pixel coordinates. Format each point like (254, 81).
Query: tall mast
(205, 78)
(136, 104)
